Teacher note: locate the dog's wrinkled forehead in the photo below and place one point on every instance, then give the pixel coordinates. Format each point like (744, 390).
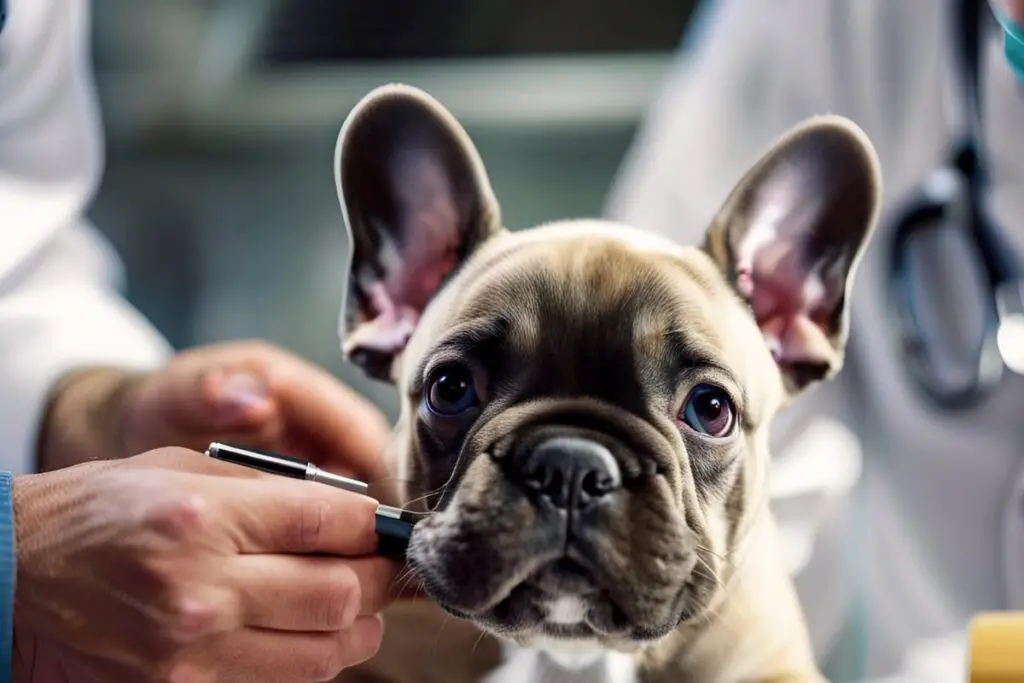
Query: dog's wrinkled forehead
(591, 308)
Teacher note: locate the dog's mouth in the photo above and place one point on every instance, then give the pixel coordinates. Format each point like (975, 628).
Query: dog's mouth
(561, 600)
(566, 598)
(564, 577)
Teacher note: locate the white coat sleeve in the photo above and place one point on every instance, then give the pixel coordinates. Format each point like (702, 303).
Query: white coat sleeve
(59, 303)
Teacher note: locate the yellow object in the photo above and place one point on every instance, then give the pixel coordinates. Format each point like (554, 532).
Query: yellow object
(996, 648)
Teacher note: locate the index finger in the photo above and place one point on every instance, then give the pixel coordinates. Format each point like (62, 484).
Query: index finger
(278, 515)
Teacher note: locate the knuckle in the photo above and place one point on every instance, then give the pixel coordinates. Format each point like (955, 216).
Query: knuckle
(308, 527)
(328, 664)
(177, 518)
(191, 618)
(338, 602)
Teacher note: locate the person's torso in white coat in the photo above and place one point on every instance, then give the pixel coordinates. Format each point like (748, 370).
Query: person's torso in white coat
(934, 530)
(59, 305)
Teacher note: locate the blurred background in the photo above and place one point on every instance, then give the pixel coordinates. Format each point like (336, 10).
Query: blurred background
(221, 118)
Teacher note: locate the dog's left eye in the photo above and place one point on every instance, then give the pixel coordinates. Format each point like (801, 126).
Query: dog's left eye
(708, 410)
(451, 391)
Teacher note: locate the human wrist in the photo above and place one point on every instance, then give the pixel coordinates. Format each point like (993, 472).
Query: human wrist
(36, 509)
(85, 417)
(25, 513)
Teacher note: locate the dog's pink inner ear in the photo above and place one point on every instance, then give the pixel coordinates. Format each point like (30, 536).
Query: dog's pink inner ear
(788, 239)
(795, 297)
(418, 204)
(431, 226)
(423, 252)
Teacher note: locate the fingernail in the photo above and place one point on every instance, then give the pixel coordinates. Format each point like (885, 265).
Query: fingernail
(243, 389)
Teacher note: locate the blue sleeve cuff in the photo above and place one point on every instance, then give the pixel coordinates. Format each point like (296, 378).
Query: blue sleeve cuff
(8, 574)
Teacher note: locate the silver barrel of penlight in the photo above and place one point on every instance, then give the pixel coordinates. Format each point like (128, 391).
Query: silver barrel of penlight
(393, 525)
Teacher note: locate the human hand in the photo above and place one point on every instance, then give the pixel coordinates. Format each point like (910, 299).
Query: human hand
(250, 393)
(172, 566)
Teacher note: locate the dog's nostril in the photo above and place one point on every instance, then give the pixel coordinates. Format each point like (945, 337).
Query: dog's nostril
(597, 484)
(539, 477)
(570, 471)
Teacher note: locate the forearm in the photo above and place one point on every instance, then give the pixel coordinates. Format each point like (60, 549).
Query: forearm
(83, 418)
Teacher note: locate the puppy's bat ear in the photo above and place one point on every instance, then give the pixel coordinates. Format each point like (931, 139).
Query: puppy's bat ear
(790, 237)
(416, 202)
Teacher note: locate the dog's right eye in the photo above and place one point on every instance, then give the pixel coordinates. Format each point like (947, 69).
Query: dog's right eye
(452, 391)
(709, 410)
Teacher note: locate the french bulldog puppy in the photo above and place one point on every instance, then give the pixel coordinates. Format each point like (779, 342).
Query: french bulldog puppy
(586, 405)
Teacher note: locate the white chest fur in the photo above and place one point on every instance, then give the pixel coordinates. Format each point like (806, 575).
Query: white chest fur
(564, 663)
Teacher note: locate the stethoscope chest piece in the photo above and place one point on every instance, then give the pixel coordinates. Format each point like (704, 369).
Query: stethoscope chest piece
(953, 199)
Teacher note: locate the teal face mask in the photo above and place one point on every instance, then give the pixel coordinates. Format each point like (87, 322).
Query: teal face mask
(1013, 42)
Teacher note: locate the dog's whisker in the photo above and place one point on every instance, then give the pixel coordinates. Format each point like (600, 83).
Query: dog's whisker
(440, 629)
(730, 564)
(476, 643)
(710, 572)
(434, 651)
(712, 612)
(408, 578)
(402, 579)
(726, 558)
(424, 497)
(392, 480)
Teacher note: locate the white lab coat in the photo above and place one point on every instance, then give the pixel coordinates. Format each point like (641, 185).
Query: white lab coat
(933, 531)
(59, 306)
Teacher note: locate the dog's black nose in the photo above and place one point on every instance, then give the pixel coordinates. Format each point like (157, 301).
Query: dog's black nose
(570, 471)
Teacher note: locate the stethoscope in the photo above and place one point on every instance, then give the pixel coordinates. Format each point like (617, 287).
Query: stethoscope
(952, 195)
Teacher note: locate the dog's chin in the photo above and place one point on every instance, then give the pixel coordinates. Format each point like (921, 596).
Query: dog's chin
(559, 603)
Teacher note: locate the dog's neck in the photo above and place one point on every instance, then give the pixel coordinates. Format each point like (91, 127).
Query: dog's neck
(557, 662)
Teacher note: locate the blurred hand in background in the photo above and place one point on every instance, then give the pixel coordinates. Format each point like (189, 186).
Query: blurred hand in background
(250, 393)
